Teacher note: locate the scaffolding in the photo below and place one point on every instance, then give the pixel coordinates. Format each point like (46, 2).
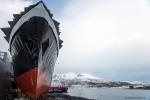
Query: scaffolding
(6, 59)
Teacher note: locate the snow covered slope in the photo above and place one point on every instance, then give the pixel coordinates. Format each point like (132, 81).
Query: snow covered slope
(87, 79)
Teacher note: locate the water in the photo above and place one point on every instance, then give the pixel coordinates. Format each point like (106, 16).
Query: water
(110, 93)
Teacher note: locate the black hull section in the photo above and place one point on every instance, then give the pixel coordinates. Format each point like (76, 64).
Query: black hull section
(33, 37)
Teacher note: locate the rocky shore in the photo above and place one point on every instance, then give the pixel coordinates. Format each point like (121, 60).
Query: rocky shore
(52, 96)
(61, 96)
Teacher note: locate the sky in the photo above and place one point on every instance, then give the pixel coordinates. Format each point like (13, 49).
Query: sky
(107, 38)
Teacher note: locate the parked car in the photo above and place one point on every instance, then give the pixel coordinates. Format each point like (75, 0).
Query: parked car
(57, 86)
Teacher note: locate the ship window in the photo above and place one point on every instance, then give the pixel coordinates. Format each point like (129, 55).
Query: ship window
(45, 45)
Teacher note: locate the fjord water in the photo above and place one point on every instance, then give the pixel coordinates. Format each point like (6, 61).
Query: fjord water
(110, 93)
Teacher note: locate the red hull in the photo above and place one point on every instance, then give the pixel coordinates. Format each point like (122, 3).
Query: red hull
(31, 83)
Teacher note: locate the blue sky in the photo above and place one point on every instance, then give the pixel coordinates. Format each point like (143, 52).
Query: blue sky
(109, 38)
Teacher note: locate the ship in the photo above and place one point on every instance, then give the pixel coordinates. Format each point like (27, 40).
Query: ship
(34, 45)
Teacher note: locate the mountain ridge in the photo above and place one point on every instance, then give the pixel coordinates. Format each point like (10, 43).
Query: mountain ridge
(89, 80)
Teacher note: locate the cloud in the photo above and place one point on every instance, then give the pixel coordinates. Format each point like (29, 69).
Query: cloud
(7, 9)
(106, 37)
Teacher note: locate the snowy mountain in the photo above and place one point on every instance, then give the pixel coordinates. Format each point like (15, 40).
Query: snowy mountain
(78, 77)
(88, 80)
